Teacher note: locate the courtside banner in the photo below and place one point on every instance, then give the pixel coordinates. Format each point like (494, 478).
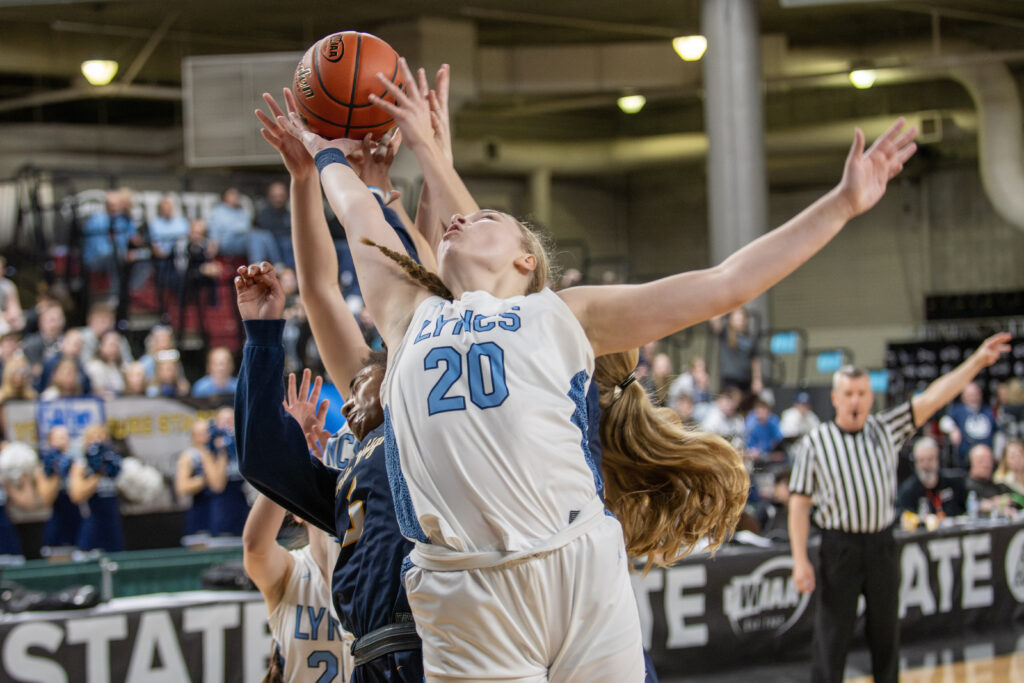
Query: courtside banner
(208, 636)
(742, 606)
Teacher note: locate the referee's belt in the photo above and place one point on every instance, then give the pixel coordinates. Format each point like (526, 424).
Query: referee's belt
(395, 637)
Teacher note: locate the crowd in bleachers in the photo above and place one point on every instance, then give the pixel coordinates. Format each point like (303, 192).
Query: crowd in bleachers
(189, 264)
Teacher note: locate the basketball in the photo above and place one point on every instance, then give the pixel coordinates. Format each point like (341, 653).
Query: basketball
(334, 80)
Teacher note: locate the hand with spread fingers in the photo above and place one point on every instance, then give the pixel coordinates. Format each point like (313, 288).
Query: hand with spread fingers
(411, 110)
(867, 173)
(307, 409)
(297, 128)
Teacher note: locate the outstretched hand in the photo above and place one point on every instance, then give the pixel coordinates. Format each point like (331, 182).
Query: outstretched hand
(866, 174)
(308, 411)
(993, 347)
(293, 153)
(372, 162)
(297, 128)
(411, 109)
(439, 117)
(259, 294)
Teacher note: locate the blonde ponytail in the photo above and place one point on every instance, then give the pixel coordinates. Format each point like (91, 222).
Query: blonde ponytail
(670, 488)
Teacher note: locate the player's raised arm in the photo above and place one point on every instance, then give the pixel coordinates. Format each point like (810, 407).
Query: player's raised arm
(620, 317)
(338, 336)
(422, 115)
(390, 296)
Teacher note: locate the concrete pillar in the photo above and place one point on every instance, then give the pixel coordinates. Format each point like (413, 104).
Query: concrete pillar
(733, 113)
(540, 197)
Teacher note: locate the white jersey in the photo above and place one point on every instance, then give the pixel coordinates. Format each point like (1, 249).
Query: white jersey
(485, 403)
(340, 448)
(308, 634)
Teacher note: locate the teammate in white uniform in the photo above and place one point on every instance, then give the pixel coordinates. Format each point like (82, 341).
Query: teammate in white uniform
(519, 575)
(309, 641)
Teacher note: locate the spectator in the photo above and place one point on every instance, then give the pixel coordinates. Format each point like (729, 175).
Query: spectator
(570, 278)
(92, 480)
(61, 528)
(979, 479)
(774, 513)
(762, 429)
(70, 347)
(106, 370)
(16, 384)
(274, 220)
(191, 480)
(697, 383)
(194, 261)
(945, 496)
(100, 319)
(229, 224)
(12, 318)
(106, 237)
(1010, 472)
(134, 380)
(661, 378)
(229, 507)
(10, 346)
(1011, 414)
(218, 380)
(166, 228)
(160, 338)
(170, 379)
(969, 422)
(65, 382)
(684, 409)
(20, 493)
(738, 363)
(45, 344)
(723, 419)
(798, 419)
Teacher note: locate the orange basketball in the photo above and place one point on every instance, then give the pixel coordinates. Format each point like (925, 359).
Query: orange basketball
(334, 80)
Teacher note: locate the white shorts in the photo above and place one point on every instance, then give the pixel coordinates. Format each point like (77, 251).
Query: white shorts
(569, 615)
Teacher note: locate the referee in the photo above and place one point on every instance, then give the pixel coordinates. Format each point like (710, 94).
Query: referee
(846, 469)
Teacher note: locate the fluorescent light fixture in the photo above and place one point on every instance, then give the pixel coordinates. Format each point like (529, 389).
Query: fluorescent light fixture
(631, 104)
(99, 71)
(863, 78)
(690, 48)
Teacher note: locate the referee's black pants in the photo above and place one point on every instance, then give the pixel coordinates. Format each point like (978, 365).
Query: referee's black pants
(851, 565)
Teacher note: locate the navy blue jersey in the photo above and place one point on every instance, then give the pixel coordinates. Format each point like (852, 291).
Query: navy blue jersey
(367, 585)
(354, 505)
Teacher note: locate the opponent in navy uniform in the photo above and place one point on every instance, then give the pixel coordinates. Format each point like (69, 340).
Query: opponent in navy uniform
(92, 480)
(61, 528)
(355, 505)
(191, 479)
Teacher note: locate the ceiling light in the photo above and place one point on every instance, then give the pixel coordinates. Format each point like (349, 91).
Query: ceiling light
(99, 71)
(631, 104)
(690, 48)
(863, 78)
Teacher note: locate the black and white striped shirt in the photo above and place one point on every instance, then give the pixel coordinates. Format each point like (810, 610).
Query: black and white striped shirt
(852, 477)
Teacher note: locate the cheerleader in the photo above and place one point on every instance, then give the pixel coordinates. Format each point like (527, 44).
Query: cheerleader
(61, 528)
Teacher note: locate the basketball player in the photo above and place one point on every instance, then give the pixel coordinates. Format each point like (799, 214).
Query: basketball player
(484, 404)
(308, 640)
(356, 504)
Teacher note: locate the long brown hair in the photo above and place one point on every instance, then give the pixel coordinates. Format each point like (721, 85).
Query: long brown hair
(531, 241)
(671, 488)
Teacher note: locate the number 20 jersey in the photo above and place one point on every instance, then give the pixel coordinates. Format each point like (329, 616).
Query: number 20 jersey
(486, 412)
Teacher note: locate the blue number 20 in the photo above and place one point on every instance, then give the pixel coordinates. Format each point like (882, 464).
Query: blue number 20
(439, 402)
(329, 659)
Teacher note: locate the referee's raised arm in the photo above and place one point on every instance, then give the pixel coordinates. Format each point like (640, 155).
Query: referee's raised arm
(946, 388)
